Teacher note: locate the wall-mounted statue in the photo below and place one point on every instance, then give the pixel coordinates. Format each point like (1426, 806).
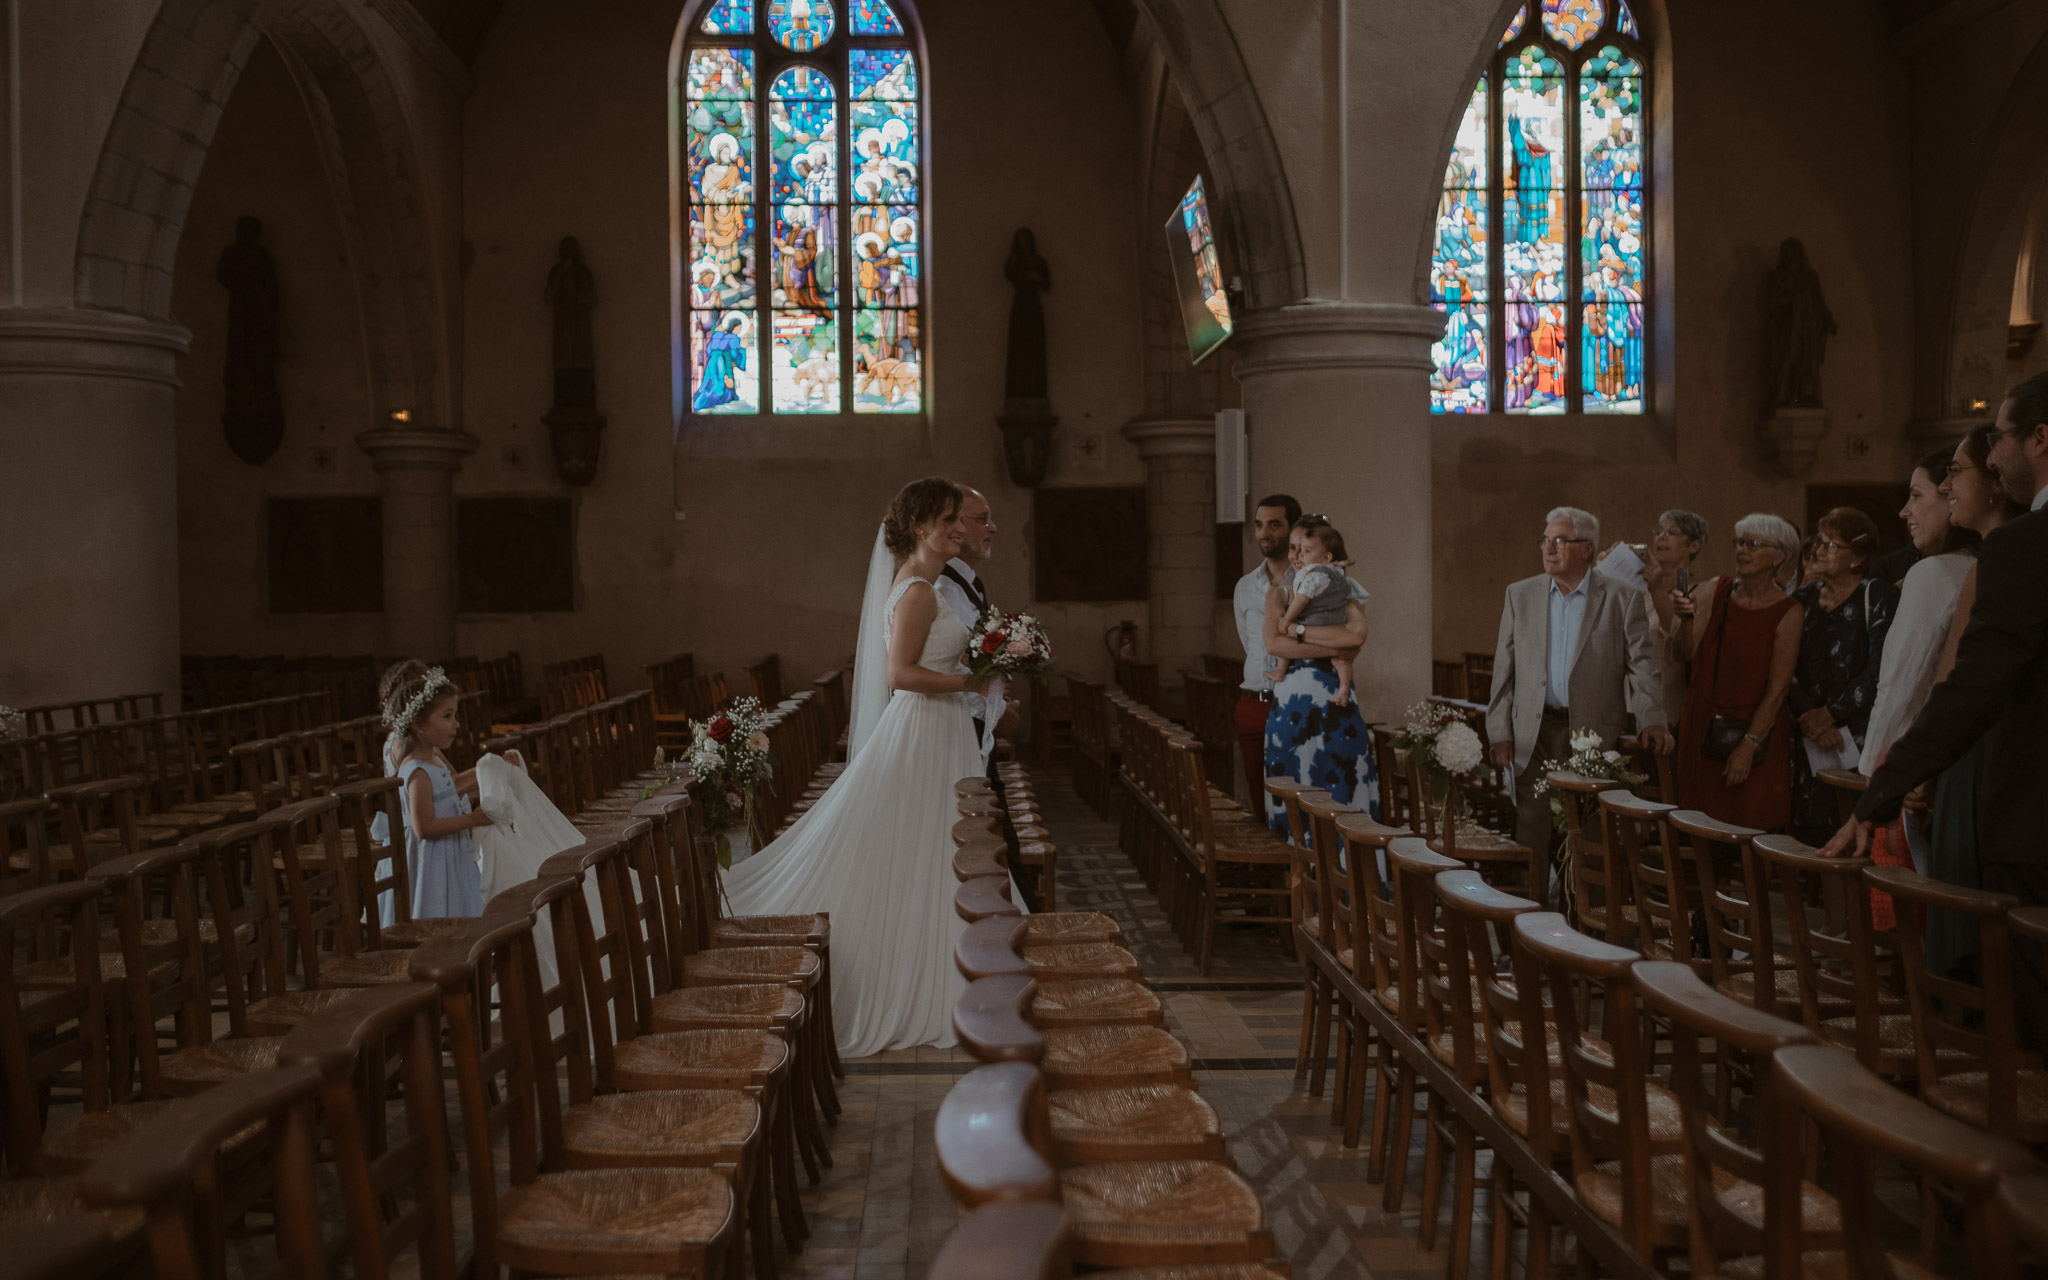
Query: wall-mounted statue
(574, 424)
(252, 410)
(1027, 419)
(1797, 324)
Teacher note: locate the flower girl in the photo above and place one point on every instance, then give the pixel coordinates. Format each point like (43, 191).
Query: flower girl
(420, 710)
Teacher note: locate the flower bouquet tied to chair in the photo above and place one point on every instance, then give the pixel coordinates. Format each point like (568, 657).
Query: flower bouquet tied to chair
(730, 756)
(1445, 750)
(1588, 760)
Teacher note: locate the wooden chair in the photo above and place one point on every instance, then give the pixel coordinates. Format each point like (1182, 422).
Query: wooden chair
(765, 678)
(993, 1143)
(1315, 924)
(1396, 984)
(712, 1130)
(1848, 994)
(364, 1048)
(361, 802)
(25, 845)
(1656, 873)
(54, 1026)
(1743, 959)
(1602, 893)
(188, 1175)
(1506, 863)
(1237, 863)
(1369, 917)
(1627, 1134)
(1984, 1083)
(1733, 1195)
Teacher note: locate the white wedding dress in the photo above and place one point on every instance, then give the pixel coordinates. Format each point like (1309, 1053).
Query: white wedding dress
(876, 852)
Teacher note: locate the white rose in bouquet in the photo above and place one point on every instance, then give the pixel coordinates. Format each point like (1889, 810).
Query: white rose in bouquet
(1457, 748)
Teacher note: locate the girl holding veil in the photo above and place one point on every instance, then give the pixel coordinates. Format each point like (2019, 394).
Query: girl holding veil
(876, 851)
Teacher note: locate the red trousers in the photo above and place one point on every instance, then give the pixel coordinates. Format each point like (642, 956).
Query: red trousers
(1250, 717)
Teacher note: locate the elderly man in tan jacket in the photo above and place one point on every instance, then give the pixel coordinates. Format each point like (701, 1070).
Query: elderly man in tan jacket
(1574, 653)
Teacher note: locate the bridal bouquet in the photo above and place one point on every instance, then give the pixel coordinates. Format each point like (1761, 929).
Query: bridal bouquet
(1444, 747)
(1009, 645)
(729, 754)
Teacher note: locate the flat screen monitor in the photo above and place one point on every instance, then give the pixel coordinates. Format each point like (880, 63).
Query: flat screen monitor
(1191, 244)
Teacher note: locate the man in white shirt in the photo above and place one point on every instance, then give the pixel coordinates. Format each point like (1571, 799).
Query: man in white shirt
(961, 590)
(1271, 521)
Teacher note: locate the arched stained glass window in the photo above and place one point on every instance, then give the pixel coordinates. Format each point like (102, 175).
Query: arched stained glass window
(1542, 230)
(802, 166)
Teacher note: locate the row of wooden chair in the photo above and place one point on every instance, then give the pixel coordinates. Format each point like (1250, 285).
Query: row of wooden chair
(43, 717)
(1211, 860)
(349, 682)
(1433, 996)
(1087, 1105)
(1095, 744)
(1212, 708)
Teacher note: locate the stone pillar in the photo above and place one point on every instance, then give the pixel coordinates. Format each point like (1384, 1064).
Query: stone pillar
(1180, 520)
(418, 466)
(89, 516)
(1336, 403)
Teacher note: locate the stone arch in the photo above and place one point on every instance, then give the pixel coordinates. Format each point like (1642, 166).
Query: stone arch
(189, 63)
(1255, 211)
(2008, 214)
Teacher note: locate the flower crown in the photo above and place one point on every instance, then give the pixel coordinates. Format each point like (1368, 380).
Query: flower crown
(437, 684)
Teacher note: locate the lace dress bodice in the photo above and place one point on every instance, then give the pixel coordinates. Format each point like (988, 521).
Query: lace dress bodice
(945, 645)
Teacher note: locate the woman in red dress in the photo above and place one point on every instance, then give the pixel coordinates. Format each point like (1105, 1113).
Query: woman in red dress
(1743, 645)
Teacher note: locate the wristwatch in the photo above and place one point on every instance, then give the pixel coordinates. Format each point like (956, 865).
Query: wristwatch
(1300, 632)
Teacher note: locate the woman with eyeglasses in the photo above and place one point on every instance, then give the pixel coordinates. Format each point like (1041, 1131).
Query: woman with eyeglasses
(1848, 613)
(1978, 503)
(1741, 635)
(1912, 652)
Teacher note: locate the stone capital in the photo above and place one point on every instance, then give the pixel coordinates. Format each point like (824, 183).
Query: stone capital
(1172, 437)
(1338, 335)
(78, 342)
(416, 448)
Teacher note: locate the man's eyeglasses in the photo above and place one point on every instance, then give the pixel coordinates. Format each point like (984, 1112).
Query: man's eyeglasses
(1545, 544)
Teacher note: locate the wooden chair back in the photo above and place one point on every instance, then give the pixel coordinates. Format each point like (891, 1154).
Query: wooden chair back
(665, 679)
(1845, 992)
(247, 962)
(25, 844)
(1322, 884)
(1478, 920)
(1962, 1027)
(1735, 903)
(174, 1171)
(1657, 874)
(1140, 680)
(764, 677)
(558, 1015)
(604, 949)
(1605, 1074)
(1427, 945)
(1727, 1164)
(99, 819)
(319, 891)
(380, 866)
(993, 1137)
(1868, 1129)
(155, 898)
(362, 1046)
(1603, 893)
(55, 1024)
(674, 887)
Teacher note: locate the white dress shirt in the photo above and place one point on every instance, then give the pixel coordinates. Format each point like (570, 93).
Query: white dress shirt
(1248, 606)
(1567, 612)
(989, 703)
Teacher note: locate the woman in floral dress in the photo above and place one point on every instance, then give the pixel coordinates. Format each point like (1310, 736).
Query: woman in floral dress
(1308, 737)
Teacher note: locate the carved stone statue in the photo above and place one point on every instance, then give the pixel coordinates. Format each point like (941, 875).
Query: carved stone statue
(572, 291)
(1797, 324)
(575, 427)
(1029, 276)
(252, 410)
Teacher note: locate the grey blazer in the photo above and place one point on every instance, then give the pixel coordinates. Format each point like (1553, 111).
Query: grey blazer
(1615, 673)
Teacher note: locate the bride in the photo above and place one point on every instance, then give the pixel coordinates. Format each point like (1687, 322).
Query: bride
(876, 850)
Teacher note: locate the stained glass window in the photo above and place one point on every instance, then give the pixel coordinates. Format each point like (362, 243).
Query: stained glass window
(1539, 319)
(805, 233)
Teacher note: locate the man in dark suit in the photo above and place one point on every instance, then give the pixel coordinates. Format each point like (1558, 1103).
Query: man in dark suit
(1999, 688)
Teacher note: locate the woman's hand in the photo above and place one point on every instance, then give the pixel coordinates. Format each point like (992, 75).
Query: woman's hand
(478, 818)
(1681, 603)
(1819, 728)
(972, 683)
(1736, 771)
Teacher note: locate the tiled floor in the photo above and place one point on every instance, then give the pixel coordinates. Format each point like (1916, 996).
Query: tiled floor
(881, 1212)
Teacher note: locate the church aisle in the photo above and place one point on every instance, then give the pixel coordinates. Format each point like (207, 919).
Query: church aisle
(882, 1211)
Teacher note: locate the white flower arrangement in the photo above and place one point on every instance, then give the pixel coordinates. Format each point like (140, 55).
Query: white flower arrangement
(1589, 760)
(730, 755)
(1458, 749)
(1444, 747)
(1009, 645)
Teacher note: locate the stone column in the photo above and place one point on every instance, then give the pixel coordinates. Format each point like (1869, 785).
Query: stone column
(1180, 520)
(418, 466)
(1336, 403)
(89, 516)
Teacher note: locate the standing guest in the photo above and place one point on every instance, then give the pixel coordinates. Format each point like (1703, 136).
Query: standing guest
(1681, 536)
(1927, 605)
(1998, 691)
(1735, 739)
(1271, 520)
(1309, 737)
(420, 710)
(1574, 653)
(1979, 503)
(1841, 649)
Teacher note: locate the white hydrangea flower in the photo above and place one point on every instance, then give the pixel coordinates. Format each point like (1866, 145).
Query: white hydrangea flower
(1457, 748)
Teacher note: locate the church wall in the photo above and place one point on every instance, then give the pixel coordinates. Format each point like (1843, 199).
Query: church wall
(1770, 140)
(265, 161)
(752, 531)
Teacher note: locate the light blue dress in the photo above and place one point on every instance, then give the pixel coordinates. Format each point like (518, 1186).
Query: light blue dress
(445, 881)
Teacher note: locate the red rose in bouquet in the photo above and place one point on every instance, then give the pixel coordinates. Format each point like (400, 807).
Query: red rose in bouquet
(720, 730)
(993, 643)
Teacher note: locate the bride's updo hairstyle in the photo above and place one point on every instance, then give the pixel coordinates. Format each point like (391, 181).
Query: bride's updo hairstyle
(918, 504)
